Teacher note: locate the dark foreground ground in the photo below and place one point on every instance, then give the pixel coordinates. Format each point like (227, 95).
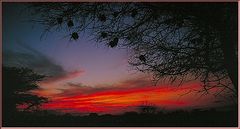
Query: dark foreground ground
(210, 118)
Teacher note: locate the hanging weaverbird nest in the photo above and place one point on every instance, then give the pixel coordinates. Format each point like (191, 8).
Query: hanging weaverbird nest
(113, 43)
(70, 23)
(142, 58)
(74, 35)
(104, 34)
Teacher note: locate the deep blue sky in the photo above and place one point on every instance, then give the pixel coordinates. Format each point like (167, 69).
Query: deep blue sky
(21, 39)
(83, 67)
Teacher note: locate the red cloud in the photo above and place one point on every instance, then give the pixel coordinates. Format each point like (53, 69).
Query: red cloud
(131, 85)
(116, 100)
(122, 97)
(73, 89)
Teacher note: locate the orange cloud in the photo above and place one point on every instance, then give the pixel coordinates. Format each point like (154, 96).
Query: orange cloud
(73, 89)
(51, 85)
(121, 100)
(124, 96)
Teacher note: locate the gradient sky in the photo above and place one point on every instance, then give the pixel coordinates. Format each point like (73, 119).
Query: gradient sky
(85, 76)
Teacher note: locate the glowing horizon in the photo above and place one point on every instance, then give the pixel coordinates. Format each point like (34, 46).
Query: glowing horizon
(85, 76)
(119, 100)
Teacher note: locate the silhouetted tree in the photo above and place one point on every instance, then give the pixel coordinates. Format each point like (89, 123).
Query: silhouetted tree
(147, 108)
(175, 41)
(17, 84)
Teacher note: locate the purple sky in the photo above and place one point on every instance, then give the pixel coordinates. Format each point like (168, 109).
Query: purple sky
(83, 63)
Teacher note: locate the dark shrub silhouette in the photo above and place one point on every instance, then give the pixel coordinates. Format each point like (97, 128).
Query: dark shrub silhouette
(17, 84)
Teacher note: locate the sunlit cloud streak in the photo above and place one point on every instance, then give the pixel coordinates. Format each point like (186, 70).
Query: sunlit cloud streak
(121, 100)
(60, 78)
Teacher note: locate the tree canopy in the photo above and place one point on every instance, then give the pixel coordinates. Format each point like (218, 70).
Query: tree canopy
(17, 84)
(175, 41)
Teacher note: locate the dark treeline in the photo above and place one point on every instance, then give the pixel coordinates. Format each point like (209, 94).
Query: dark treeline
(195, 118)
(17, 82)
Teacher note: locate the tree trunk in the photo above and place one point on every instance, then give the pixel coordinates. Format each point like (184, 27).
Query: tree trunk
(229, 43)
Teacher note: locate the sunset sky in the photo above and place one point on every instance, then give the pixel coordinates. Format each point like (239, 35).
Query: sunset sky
(85, 76)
